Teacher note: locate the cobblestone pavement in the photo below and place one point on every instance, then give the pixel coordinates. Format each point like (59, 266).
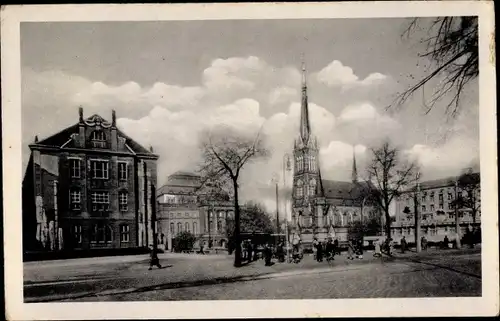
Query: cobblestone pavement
(213, 277)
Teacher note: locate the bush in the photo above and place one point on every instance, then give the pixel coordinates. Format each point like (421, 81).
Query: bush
(184, 241)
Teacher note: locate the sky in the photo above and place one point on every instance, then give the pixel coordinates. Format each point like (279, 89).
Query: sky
(170, 80)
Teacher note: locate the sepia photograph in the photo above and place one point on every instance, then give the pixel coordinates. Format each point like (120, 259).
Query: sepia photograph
(260, 156)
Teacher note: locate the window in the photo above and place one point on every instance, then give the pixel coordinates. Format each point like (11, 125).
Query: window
(100, 201)
(100, 169)
(300, 191)
(424, 208)
(432, 207)
(124, 233)
(306, 163)
(77, 234)
(195, 228)
(450, 196)
(432, 196)
(440, 206)
(300, 163)
(424, 197)
(75, 168)
(313, 163)
(102, 234)
(123, 201)
(179, 228)
(122, 171)
(186, 227)
(172, 228)
(312, 189)
(75, 199)
(98, 139)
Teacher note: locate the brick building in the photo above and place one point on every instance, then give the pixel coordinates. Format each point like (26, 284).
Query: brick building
(185, 205)
(88, 187)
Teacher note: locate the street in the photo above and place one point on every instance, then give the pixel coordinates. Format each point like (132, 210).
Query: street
(196, 277)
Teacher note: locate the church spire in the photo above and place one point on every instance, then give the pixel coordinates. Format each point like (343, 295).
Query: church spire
(354, 168)
(305, 127)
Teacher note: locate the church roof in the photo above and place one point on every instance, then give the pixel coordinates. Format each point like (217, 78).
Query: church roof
(344, 190)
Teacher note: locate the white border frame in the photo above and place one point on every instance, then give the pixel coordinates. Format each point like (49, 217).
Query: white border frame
(11, 16)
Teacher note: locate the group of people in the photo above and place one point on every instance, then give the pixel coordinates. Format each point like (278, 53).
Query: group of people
(329, 249)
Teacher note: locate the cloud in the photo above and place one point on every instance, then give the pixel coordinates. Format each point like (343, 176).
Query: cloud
(336, 159)
(336, 74)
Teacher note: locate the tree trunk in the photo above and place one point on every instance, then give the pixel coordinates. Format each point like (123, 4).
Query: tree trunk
(236, 233)
(387, 224)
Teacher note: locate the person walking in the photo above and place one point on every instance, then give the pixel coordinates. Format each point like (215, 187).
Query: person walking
(350, 251)
(329, 250)
(446, 241)
(423, 243)
(267, 255)
(378, 251)
(403, 245)
(249, 252)
(336, 249)
(319, 252)
(154, 261)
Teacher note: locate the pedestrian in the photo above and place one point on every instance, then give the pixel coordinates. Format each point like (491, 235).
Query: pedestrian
(423, 243)
(249, 251)
(360, 249)
(154, 261)
(319, 252)
(446, 241)
(350, 251)
(378, 252)
(201, 248)
(336, 246)
(329, 250)
(280, 253)
(403, 245)
(267, 255)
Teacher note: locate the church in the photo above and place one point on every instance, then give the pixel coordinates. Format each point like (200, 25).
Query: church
(322, 209)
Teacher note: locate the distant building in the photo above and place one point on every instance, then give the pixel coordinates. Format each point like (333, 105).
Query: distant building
(185, 205)
(88, 187)
(322, 208)
(436, 210)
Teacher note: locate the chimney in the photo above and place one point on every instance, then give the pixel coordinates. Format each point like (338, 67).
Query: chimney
(36, 139)
(114, 135)
(81, 129)
(151, 149)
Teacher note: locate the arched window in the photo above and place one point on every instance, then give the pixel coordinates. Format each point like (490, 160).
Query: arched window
(312, 189)
(299, 191)
(306, 163)
(300, 163)
(195, 228)
(98, 139)
(313, 163)
(186, 226)
(172, 228)
(179, 227)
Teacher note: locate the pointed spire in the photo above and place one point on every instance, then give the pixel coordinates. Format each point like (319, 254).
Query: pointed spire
(36, 139)
(354, 167)
(305, 127)
(80, 114)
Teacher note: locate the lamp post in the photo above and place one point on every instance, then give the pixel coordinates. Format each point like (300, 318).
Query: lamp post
(286, 166)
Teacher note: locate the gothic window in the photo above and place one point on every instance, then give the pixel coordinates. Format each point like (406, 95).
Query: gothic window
(313, 163)
(186, 227)
(312, 188)
(306, 163)
(179, 228)
(300, 191)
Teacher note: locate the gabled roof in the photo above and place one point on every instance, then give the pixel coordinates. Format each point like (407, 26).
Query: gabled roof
(63, 138)
(345, 190)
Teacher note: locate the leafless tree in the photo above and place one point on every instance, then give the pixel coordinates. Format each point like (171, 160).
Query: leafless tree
(388, 175)
(452, 46)
(225, 153)
(469, 186)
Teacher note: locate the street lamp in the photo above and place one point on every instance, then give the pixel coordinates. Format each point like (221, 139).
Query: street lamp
(286, 166)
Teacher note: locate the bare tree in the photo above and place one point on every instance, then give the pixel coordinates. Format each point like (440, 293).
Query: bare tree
(225, 153)
(452, 46)
(388, 175)
(468, 193)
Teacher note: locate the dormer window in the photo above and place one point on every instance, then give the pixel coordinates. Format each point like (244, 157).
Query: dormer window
(98, 139)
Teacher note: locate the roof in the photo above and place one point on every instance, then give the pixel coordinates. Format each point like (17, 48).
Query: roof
(64, 136)
(344, 190)
(441, 182)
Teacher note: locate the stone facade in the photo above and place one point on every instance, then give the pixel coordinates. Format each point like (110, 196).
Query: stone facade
(434, 200)
(321, 208)
(184, 205)
(88, 187)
